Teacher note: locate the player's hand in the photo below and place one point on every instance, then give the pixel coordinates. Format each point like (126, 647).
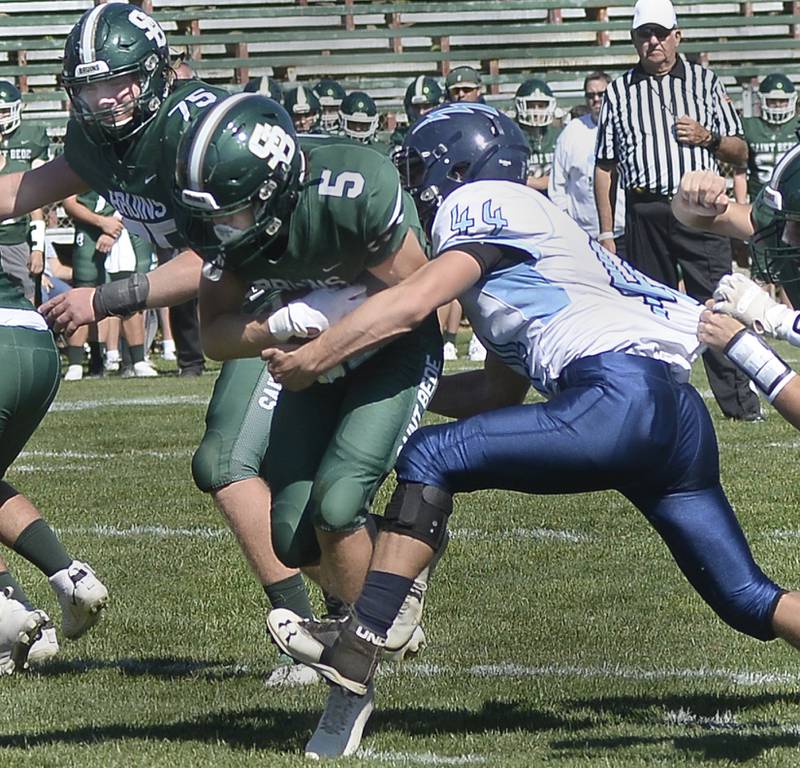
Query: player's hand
(36, 264)
(70, 310)
(112, 227)
(689, 131)
(609, 244)
(315, 312)
(104, 243)
(703, 193)
(745, 300)
(716, 329)
(288, 368)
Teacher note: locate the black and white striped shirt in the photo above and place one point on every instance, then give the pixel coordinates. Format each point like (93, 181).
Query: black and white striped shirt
(637, 125)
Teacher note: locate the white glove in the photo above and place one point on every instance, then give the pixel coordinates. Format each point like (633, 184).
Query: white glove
(745, 300)
(315, 312)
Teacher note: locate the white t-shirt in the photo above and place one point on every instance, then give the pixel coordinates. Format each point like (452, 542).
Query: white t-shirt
(572, 177)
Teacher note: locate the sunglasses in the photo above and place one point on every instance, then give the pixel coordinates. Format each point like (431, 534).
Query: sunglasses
(645, 33)
(591, 96)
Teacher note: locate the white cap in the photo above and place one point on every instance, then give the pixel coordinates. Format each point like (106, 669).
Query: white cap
(660, 12)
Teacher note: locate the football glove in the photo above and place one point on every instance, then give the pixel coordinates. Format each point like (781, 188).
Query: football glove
(315, 312)
(745, 300)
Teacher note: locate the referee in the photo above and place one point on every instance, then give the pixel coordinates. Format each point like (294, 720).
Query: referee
(660, 119)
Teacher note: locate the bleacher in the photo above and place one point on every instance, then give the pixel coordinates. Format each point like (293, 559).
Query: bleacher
(379, 46)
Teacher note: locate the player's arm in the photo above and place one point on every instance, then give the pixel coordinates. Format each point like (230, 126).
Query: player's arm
(465, 394)
(780, 385)
(383, 317)
(703, 203)
(226, 331)
(25, 191)
(108, 225)
(169, 284)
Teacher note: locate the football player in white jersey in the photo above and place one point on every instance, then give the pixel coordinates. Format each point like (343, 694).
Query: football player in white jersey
(771, 224)
(610, 348)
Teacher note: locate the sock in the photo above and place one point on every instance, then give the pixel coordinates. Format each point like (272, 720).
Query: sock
(168, 346)
(40, 546)
(95, 358)
(290, 593)
(75, 355)
(137, 353)
(448, 337)
(7, 580)
(380, 600)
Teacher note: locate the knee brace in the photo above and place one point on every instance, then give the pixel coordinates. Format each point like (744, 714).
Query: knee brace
(419, 511)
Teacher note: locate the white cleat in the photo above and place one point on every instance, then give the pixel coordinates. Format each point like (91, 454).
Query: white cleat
(73, 373)
(46, 647)
(82, 597)
(143, 370)
(477, 352)
(19, 630)
(289, 674)
(415, 645)
(449, 351)
(342, 723)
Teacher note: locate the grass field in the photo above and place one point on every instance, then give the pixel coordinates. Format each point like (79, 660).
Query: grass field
(560, 631)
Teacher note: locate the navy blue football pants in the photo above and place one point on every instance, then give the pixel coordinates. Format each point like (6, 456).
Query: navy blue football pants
(618, 422)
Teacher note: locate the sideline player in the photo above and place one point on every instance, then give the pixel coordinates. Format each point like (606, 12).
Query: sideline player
(262, 212)
(612, 350)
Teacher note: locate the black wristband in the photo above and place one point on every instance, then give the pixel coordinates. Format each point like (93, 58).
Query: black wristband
(121, 297)
(714, 142)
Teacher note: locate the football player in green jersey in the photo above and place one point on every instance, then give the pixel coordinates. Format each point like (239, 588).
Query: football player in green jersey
(22, 146)
(128, 114)
(266, 86)
(263, 212)
(330, 94)
(31, 369)
(304, 107)
(358, 117)
(536, 108)
(773, 133)
(422, 95)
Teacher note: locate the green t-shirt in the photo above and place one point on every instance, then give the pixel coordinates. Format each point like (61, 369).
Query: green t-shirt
(137, 182)
(766, 144)
(351, 214)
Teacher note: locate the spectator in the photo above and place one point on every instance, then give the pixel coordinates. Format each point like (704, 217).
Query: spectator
(571, 185)
(661, 118)
(464, 84)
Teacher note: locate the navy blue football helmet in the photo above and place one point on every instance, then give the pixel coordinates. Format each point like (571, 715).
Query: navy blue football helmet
(455, 144)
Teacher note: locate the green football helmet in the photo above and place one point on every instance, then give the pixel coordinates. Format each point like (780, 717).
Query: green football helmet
(330, 95)
(266, 86)
(422, 95)
(534, 103)
(775, 245)
(10, 108)
(304, 107)
(359, 116)
(109, 45)
(237, 175)
(777, 88)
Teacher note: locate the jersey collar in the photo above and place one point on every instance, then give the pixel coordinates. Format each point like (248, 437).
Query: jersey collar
(678, 70)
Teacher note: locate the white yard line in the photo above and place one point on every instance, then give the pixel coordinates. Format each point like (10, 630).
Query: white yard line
(127, 402)
(419, 758)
